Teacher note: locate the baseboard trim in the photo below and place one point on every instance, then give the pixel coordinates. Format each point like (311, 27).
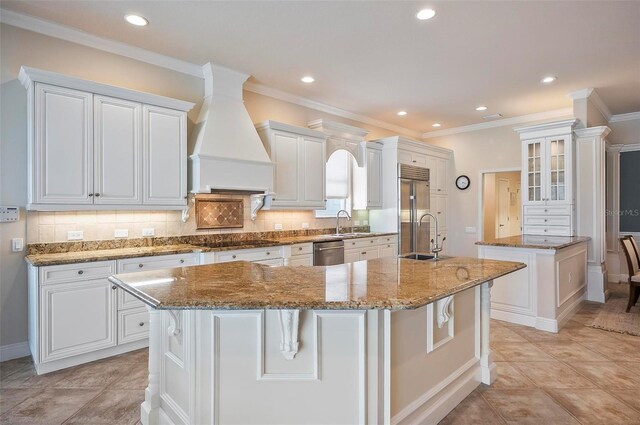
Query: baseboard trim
(14, 351)
(518, 319)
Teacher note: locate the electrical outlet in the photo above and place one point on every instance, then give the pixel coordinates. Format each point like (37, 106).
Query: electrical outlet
(356, 222)
(121, 233)
(278, 226)
(75, 235)
(470, 230)
(17, 244)
(305, 225)
(148, 231)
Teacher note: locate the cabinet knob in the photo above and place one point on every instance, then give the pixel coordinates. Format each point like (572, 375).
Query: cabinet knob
(268, 253)
(141, 265)
(439, 190)
(439, 212)
(141, 324)
(545, 230)
(80, 271)
(114, 287)
(300, 248)
(371, 241)
(364, 253)
(414, 160)
(97, 194)
(181, 261)
(90, 195)
(545, 220)
(233, 256)
(545, 210)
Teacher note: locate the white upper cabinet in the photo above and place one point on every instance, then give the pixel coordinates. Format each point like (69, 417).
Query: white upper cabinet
(165, 154)
(117, 134)
(93, 146)
(62, 155)
(442, 176)
(299, 157)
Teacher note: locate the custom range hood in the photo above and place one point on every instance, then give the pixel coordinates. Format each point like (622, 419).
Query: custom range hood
(228, 155)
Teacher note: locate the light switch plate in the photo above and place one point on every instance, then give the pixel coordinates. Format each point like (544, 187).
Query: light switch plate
(305, 225)
(8, 214)
(470, 229)
(121, 233)
(148, 231)
(278, 226)
(17, 244)
(75, 235)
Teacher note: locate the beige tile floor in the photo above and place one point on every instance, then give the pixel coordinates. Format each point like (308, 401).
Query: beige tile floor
(578, 376)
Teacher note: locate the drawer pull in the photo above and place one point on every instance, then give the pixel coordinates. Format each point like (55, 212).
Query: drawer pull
(364, 253)
(97, 194)
(141, 324)
(388, 246)
(545, 220)
(114, 287)
(80, 271)
(268, 253)
(299, 248)
(414, 160)
(233, 256)
(181, 261)
(545, 230)
(371, 241)
(140, 265)
(546, 210)
(439, 190)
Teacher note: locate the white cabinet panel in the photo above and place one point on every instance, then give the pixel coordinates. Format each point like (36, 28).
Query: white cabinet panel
(374, 178)
(442, 176)
(301, 260)
(439, 209)
(133, 325)
(370, 253)
(314, 171)
(76, 318)
(165, 154)
(62, 157)
(117, 134)
(352, 255)
(285, 155)
(388, 250)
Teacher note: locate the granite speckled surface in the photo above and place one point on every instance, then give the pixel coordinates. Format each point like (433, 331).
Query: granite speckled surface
(534, 241)
(384, 283)
(83, 252)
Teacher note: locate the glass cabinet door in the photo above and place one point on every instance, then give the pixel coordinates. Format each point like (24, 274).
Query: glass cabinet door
(534, 173)
(557, 170)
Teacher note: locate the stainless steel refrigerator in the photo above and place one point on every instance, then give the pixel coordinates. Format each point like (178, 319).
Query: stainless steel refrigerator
(414, 195)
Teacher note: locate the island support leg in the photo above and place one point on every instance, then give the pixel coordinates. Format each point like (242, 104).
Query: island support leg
(487, 366)
(149, 412)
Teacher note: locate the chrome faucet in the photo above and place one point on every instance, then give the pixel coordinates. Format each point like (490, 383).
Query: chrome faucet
(436, 248)
(338, 220)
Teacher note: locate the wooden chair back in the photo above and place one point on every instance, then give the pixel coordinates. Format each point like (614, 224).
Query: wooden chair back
(630, 252)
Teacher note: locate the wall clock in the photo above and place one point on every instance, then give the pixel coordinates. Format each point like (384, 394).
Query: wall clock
(463, 182)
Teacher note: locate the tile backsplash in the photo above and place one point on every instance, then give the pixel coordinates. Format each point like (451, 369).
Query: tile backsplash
(43, 227)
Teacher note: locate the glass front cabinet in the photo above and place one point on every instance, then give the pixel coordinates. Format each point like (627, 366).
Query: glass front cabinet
(547, 165)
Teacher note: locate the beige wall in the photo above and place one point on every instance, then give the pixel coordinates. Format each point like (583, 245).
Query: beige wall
(20, 47)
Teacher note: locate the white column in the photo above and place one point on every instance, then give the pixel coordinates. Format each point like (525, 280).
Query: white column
(487, 366)
(149, 413)
(613, 208)
(591, 206)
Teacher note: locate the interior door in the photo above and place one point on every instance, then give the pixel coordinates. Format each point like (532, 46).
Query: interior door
(406, 217)
(423, 205)
(502, 217)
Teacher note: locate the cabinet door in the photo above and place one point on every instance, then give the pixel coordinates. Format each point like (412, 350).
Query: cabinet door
(374, 178)
(388, 250)
(117, 146)
(313, 168)
(440, 205)
(404, 157)
(165, 156)
(76, 318)
(301, 260)
(370, 253)
(63, 148)
(533, 178)
(284, 153)
(431, 162)
(352, 255)
(557, 171)
(442, 176)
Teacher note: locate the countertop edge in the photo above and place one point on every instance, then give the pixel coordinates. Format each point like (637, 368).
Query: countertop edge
(531, 246)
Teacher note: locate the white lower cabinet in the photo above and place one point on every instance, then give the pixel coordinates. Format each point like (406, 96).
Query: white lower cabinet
(133, 325)
(77, 317)
(301, 255)
(370, 248)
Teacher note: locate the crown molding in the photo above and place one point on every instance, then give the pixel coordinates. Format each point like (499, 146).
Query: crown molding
(580, 94)
(556, 113)
(600, 105)
(76, 36)
(630, 147)
(625, 117)
(600, 131)
(318, 106)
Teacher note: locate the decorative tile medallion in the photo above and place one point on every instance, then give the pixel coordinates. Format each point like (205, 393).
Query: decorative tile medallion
(219, 213)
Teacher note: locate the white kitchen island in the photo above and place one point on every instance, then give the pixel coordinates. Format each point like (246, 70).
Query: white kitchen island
(379, 341)
(550, 290)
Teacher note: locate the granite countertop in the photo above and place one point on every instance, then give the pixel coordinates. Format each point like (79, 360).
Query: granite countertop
(537, 242)
(384, 283)
(82, 256)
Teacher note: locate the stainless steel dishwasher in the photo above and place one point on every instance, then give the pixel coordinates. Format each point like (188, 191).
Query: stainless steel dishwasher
(328, 253)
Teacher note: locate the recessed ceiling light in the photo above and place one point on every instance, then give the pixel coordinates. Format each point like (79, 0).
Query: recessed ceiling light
(549, 79)
(307, 79)
(137, 20)
(402, 113)
(425, 14)
(481, 108)
(437, 124)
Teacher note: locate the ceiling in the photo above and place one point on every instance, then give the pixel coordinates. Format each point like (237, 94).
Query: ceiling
(375, 58)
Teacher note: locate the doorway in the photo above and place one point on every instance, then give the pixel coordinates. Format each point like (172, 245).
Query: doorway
(501, 204)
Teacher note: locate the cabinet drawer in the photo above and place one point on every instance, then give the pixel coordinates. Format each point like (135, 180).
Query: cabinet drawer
(392, 239)
(301, 260)
(548, 230)
(388, 250)
(370, 253)
(157, 262)
(75, 272)
(128, 301)
(249, 254)
(301, 249)
(547, 209)
(548, 220)
(133, 325)
(360, 243)
(276, 262)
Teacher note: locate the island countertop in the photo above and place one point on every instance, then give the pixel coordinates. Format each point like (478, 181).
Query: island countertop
(535, 242)
(383, 283)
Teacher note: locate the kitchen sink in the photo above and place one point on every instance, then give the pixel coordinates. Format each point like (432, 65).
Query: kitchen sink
(418, 256)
